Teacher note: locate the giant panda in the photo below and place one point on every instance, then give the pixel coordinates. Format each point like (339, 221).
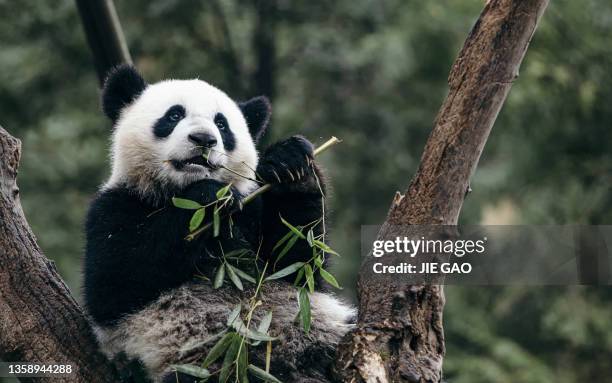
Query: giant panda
(146, 289)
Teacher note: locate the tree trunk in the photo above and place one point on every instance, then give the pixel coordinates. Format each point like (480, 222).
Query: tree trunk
(399, 336)
(41, 321)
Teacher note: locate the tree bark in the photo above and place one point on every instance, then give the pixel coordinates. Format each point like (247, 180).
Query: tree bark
(41, 321)
(399, 336)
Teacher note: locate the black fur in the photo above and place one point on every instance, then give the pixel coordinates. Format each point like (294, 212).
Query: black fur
(166, 123)
(122, 86)
(257, 113)
(229, 141)
(136, 248)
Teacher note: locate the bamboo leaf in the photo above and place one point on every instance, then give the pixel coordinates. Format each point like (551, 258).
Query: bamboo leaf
(196, 219)
(242, 364)
(287, 247)
(309, 277)
(192, 370)
(233, 277)
(294, 229)
(329, 278)
(310, 237)
(251, 334)
(299, 277)
(282, 240)
(234, 314)
(263, 375)
(219, 276)
(243, 275)
(223, 191)
(323, 246)
(218, 349)
(304, 309)
(230, 357)
(286, 271)
(318, 261)
(264, 325)
(183, 203)
(216, 223)
(237, 253)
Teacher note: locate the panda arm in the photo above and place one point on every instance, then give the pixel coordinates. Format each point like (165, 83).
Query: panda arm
(136, 250)
(297, 194)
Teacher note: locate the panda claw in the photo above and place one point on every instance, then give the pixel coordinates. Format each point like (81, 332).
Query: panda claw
(277, 177)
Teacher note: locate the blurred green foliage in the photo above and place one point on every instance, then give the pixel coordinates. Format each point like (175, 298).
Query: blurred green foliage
(374, 74)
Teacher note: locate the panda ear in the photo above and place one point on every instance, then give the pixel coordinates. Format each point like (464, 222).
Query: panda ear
(122, 86)
(257, 113)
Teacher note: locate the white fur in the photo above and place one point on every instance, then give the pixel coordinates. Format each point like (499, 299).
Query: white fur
(139, 157)
(163, 332)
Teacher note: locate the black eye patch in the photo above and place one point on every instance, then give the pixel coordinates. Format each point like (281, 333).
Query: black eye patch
(229, 141)
(166, 124)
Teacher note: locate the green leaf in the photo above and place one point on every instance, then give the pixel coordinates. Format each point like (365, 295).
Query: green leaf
(191, 369)
(294, 229)
(264, 325)
(242, 364)
(219, 276)
(185, 203)
(329, 278)
(310, 237)
(304, 309)
(230, 357)
(223, 191)
(218, 349)
(287, 247)
(286, 271)
(256, 335)
(318, 261)
(299, 277)
(234, 314)
(189, 347)
(323, 246)
(243, 275)
(262, 374)
(282, 240)
(216, 223)
(309, 277)
(196, 219)
(251, 334)
(237, 253)
(233, 277)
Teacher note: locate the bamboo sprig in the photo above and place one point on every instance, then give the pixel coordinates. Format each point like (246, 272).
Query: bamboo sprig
(328, 144)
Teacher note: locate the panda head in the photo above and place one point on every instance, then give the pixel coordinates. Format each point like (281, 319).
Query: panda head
(164, 131)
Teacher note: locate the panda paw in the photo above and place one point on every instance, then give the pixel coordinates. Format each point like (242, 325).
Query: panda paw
(287, 162)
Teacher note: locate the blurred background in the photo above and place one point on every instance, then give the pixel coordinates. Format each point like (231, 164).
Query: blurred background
(372, 72)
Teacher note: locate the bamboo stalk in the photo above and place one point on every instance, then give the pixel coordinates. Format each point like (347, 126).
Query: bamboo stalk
(328, 144)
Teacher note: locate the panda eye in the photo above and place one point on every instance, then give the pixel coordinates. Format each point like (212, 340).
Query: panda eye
(175, 113)
(221, 121)
(174, 117)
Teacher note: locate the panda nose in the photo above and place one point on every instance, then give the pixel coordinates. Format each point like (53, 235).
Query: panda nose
(203, 139)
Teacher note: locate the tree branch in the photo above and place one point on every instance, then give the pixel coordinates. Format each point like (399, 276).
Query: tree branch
(41, 322)
(399, 336)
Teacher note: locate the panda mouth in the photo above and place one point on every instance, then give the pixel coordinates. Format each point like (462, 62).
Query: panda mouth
(193, 162)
